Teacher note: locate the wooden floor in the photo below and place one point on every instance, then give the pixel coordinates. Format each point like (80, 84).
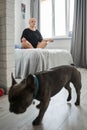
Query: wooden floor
(60, 115)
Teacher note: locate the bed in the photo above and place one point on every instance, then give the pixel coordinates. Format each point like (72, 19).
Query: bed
(30, 61)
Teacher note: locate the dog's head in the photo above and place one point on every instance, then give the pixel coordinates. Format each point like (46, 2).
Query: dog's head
(20, 95)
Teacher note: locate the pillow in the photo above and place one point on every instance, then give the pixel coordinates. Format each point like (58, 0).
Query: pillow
(17, 46)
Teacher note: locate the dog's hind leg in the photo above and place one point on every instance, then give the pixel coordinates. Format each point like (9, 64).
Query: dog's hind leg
(76, 80)
(67, 86)
(77, 88)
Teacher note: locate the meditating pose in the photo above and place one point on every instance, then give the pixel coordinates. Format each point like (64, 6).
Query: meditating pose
(32, 38)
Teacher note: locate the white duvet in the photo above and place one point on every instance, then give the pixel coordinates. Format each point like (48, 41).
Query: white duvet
(30, 61)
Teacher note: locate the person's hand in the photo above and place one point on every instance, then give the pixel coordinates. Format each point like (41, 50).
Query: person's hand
(51, 40)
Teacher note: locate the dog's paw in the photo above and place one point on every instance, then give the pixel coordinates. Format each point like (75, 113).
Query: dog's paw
(77, 103)
(36, 122)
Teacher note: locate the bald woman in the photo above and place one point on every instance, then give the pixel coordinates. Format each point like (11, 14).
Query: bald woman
(32, 38)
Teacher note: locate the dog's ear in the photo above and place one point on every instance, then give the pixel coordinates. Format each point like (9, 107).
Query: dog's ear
(13, 80)
(30, 80)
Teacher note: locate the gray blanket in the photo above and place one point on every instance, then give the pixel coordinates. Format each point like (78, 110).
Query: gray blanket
(29, 61)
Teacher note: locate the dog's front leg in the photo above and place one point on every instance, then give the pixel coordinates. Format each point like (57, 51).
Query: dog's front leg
(44, 106)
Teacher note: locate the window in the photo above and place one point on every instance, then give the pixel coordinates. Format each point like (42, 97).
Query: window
(59, 17)
(56, 18)
(46, 18)
(71, 14)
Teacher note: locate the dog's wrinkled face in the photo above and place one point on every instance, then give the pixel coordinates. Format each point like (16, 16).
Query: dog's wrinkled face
(21, 95)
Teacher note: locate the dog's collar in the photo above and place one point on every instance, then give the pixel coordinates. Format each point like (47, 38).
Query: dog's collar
(37, 86)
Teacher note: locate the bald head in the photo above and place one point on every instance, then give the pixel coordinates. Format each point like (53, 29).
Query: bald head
(32, 20)
(32, 23)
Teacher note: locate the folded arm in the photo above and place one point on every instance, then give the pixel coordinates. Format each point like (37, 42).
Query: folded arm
(48, 40)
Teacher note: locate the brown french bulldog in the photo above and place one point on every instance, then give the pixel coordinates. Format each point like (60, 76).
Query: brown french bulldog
(42, 86)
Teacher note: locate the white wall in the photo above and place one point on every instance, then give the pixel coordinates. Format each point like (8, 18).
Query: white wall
(60, 44)
(20, 23)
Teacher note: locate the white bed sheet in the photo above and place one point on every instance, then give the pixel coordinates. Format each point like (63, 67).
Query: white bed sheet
(30, 61)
